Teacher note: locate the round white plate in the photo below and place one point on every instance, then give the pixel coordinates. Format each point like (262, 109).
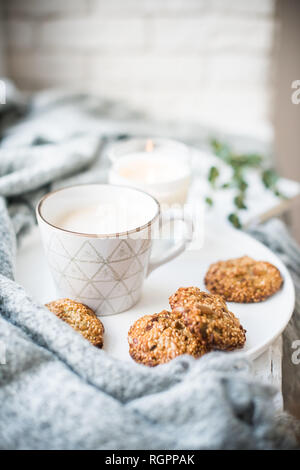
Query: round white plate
(263, 321)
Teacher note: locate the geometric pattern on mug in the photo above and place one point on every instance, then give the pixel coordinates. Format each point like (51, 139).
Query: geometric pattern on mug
(110, 281)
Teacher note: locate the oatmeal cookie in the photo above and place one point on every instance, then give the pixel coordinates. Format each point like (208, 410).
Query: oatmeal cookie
(81, 318)
(207, 316)
(156, 339)
(243, 279)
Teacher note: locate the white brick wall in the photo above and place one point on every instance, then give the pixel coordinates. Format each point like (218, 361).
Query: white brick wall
(91, 34)
(206, 61)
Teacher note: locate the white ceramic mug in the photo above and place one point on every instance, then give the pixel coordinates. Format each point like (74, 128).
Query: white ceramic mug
(105, 271)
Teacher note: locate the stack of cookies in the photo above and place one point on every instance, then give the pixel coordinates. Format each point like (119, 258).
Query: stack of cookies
(197, 323)
(200, 322)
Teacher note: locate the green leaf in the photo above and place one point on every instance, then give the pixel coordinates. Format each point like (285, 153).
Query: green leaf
(213, 175)
(215, 144)
(239, 201)
(269, 178)
(220, 149)
(245, 160)
(234, 220)
(242, 185)
(237, 174)
(209, 201)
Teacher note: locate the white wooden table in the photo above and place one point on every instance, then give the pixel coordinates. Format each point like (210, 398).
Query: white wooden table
(268, 368)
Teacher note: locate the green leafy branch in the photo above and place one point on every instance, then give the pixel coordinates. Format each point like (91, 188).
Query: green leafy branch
(240, 164)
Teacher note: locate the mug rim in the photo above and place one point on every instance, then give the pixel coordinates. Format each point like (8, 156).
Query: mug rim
(94, 235)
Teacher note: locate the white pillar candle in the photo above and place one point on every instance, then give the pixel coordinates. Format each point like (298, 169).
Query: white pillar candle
(163, 171)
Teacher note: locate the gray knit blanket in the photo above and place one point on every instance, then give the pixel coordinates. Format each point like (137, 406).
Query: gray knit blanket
(59, 392)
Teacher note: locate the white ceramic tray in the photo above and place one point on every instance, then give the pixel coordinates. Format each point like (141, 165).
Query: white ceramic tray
(263, 321)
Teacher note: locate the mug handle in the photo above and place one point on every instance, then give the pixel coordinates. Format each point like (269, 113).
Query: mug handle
(178, 247)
